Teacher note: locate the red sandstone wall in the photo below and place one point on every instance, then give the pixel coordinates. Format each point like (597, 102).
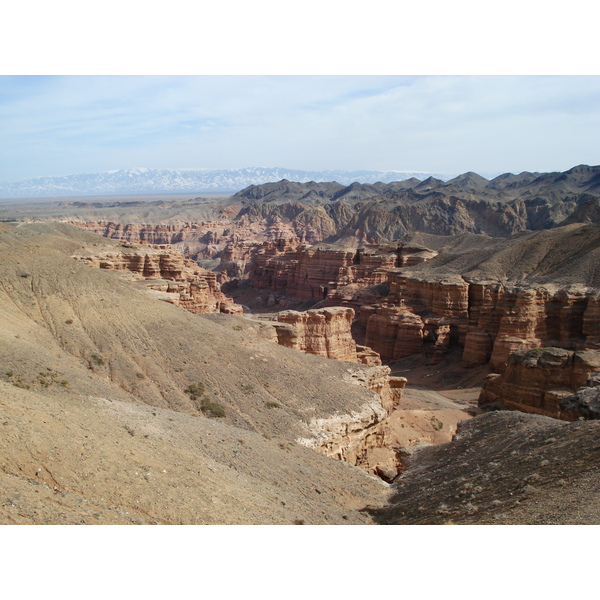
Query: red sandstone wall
(179, 281)
(537, 380)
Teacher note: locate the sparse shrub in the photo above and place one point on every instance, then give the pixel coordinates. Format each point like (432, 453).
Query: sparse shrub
(9, 373)
(436, 424)
(195, 390)
(69, 321)
(237, 328)
(64, 383)
(140, 376)
(98, 360)
(212, 409)
(247, 388)
(272, 405)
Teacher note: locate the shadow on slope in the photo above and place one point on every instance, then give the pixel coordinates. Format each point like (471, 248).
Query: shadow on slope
(503, 468)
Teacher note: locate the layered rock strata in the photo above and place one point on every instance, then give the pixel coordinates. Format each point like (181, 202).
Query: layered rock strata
(361, 438)
(200, 240)
(536, 381)
(324, 332)
(488, 319)
(170, 276)
(316, 272)
(422, 316)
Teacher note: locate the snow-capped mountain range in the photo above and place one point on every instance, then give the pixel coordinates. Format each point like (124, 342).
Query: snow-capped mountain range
(186, 181)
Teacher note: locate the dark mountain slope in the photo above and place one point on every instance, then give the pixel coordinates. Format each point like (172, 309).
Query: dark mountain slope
(468, 203)
(503, 468)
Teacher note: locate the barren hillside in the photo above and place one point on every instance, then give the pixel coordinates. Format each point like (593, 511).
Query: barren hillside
(104, 367)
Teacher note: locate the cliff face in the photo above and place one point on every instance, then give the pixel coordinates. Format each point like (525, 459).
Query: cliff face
(317, 273)
(170, 276)
(324, 332)
(536, 381)
(364, 438)
(199, 240)
(488, 319)
(421, 316)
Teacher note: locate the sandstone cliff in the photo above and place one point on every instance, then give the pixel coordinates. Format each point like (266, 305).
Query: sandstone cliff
(536, 381)
(169, 276)
(320, 273)
(489, 319)
(324, 332)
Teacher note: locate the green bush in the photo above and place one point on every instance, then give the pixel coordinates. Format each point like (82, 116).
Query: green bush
(212, 409)
(272, 405)
(98, 360)
(436, 424)
(195, 390)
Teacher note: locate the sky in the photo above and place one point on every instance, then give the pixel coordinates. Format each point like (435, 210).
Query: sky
(60, 125)
(433, 87)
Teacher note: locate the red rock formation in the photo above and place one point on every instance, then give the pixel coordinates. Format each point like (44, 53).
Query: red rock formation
(394, 332)
(204, 239)
(509, 318)
(324, 332)
(490, 320)
(446, 296)
(316, 272)
(591, 323)
(422, 313)
(173, 278)
(537, 380)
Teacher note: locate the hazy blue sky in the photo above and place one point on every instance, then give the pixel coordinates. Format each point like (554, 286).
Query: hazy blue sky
(59, 125)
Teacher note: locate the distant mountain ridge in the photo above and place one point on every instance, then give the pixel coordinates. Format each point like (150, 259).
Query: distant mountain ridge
(186, 181)
(468, 203)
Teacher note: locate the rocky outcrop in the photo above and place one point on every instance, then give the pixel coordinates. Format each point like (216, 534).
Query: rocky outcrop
(536, 381)
(169, 276)
(316, 272)
(394, 332)
(490, 320)
(324, 332)
(202, 239)
(361, 438)
(585, 402)
(196, 239)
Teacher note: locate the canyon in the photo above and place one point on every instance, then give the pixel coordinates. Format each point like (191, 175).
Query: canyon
(395, 300)
(370, 324)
